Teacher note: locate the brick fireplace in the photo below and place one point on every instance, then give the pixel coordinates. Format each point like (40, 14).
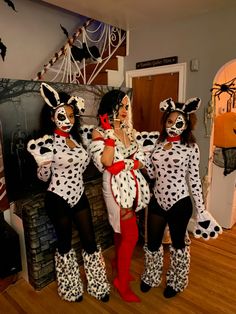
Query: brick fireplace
(40, 239)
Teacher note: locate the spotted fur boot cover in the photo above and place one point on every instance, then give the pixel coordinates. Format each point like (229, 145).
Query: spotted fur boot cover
(153, 265)
(95, 270)
(70, 286)
(177, 274)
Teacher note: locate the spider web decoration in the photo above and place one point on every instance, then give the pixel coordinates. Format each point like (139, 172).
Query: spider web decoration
(84, 55)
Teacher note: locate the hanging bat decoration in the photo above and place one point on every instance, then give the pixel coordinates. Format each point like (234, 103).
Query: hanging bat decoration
(3, 50)
(85, 52)
(10, 4)
(65, 31)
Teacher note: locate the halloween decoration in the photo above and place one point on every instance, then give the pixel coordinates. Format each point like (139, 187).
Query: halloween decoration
(225, 130)
(228, 87)
(3, 50)
(225, 139)
(208, 117)
(10, 4)
(62, 51)
(65, 31)
(85, 52)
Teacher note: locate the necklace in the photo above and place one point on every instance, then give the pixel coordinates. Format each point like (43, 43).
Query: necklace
(167, 146)
(121, 135)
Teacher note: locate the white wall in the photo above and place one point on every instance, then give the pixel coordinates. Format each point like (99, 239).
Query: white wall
(32, 36)
(209, 38)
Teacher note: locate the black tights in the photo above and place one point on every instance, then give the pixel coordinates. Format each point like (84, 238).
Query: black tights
(177, 218)
(62, 216)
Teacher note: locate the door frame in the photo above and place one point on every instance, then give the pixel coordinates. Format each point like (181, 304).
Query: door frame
(211, 145)
(181, 68)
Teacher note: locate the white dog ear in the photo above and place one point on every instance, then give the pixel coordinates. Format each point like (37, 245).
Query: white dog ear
(77, 102)
(167, 104)
(50, 95)
(192, 105)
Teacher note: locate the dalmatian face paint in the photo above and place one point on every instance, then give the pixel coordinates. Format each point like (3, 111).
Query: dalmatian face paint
(64, 118)
(175, 124)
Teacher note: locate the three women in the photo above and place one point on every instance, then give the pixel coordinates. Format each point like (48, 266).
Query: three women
(117, 155)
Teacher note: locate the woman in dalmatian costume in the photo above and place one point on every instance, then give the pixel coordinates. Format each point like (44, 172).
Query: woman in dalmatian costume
(62, 159)
(116, 153)
(174, 159)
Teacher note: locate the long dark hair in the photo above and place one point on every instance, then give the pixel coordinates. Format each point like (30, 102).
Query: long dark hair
(110, 102)
(48, 126)
(187, 136)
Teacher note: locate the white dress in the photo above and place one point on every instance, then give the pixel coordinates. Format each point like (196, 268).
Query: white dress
(127, 189)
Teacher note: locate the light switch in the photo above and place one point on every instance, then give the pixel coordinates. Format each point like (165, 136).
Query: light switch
(194, 65)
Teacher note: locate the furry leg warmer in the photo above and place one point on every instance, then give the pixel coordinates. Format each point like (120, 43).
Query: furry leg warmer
(177, 274)
(153, 266)
(70, 286)
(95, 270)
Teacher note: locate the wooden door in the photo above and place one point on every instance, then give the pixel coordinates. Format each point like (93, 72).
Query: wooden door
(148, 92)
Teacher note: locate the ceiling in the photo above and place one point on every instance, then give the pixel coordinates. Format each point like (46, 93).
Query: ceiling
(133, 14)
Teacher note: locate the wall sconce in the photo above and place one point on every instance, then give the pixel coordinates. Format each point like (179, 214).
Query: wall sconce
(194, 65)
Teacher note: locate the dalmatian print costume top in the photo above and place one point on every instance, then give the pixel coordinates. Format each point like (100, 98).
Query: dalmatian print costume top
(128, 187)
(170, 167)
(66, 170)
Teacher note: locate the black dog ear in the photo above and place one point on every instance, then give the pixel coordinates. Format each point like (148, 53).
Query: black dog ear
(167, 104)
(50, 95)
(192, 105)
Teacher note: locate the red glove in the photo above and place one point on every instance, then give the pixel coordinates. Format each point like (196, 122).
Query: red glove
(109, 142)
(136, 164)
(117, 167)
(105, 124)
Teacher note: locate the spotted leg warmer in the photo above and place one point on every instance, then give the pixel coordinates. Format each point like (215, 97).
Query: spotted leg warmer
(177, 274)
(69, 284)
(153, 267)
(95, 270)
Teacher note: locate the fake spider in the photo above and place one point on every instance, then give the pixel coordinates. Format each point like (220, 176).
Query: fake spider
(227, 87)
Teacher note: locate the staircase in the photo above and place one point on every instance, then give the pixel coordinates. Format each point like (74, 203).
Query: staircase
(110, 72)
(107, 69)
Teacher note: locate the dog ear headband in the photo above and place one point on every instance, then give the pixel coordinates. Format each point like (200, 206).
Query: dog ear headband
(190, 106)
(52, 98)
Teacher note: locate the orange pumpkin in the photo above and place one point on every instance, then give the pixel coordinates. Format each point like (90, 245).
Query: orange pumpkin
(225, 130)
